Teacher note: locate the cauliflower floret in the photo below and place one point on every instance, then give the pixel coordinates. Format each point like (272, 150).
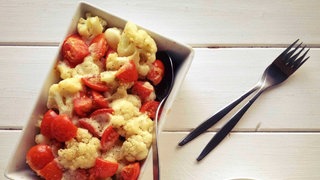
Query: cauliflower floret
(124, 108)
(41, 139)
(118, 122)
(114, 61)
(134, 149)
(121, 92)
(88, 67)
(143, 69)
(61, 95)
(113, 37)
(70, 86)
(80, 152)
(138, 41)
(64, 70)
(135, 100)
(135, 126)
(108, 76)
(142, 41)
(125, 46)
(138, 124)
(91, 26)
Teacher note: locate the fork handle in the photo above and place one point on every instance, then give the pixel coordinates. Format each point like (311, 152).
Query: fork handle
(224, 131)
(155, 153)
(215, 118)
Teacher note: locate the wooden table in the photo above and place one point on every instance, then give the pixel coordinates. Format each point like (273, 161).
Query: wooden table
(278, 138)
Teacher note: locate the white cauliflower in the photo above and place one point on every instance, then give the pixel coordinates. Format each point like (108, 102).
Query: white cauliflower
(114, 61)
(134, 148)
(91, 26)
(137, 42)
(125, 108)
(88, 67)
(135, 126)
(64, 70)
(113, 37)
(141, 40)
(61, 95)
(80, 152)
(41, 139)
(135, 100)
(138, 132)
(138, 125)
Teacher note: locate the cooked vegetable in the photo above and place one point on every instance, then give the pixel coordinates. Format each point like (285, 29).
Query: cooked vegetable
(150, 107)
(103, 169)
(62, 129)
(144, 90)
(51, 171)
(74, 50)
(39, 156)
(156, 72)
(131, 171)
(127, 73)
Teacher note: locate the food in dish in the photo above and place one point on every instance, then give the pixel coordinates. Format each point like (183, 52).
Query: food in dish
(100, 114)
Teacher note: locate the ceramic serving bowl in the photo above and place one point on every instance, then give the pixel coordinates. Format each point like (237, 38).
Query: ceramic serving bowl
(181, 54)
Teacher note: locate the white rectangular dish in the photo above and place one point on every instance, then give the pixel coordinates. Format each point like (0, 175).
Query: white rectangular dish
(182, 56)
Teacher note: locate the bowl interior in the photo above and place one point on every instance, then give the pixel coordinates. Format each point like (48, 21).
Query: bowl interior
(181, 54)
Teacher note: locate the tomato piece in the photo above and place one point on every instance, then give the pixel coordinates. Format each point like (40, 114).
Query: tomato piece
(109, 138)
(99, 101)
(97, 122)
(45, 127)
(39, 156)
(102, 113)
(130, 172)
(127, 73)
(74, 49)
(51, 171)
(98, 46)
(104, 168)
(87, 124)
(150, 107)
(144, 90)
(82, 105)
(156, 72)
(62, 129)
(95, 83)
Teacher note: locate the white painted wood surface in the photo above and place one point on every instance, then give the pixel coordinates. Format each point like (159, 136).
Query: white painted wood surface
(200, 23)
(279, 136)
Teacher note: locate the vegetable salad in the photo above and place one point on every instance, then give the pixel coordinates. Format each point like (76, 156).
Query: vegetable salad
(99, 121)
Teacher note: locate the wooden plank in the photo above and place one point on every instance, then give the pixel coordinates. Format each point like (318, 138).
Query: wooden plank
(241, 155)
(8, 142)
(23, 71)
(216, 77)
(200, 23)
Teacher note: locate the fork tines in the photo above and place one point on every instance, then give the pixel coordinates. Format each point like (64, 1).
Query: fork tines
(294, 61)
(290, 57)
